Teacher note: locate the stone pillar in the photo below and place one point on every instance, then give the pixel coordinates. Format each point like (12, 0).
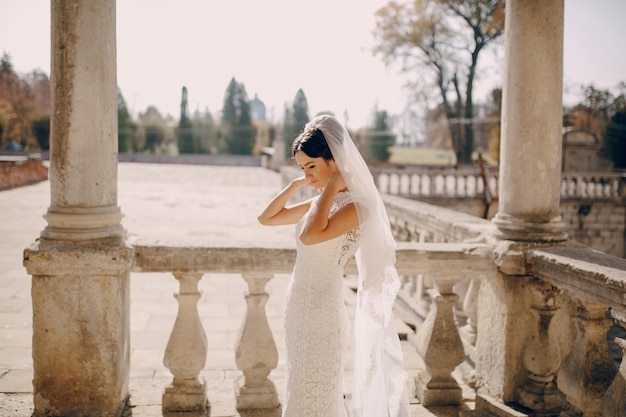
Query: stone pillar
(80, 265)
(532, 118)
(529, 197)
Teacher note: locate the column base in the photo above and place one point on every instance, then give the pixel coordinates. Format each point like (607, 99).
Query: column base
(186, 396)
(439, 397)
(544, 399)
(81, 327)
(259, 397)
(518, 229)
(83, 223)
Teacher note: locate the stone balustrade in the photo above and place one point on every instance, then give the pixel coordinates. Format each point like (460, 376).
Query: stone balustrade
(573, 295)
(569, 304)
(256, 353)
(420, 182)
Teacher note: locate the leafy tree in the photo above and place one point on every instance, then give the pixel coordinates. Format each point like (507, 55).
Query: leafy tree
(296, 118)
(17, 103)
(126, 128)
(237, 129)
(615, 145)
(183, 133)
(447, 37)
(379, 138)
(204, 132)
(41, 128)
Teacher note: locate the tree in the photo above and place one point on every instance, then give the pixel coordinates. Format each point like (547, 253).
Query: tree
(40, 125)
(126, 128)
(183, 133)
(17, 104)
(615, 145)
(447, 37)
(379, 138)
(296, 117)
(237, 129)
(601, 111)
(204, 132)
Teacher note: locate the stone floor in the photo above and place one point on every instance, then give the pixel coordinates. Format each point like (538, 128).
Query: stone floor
(160, 202)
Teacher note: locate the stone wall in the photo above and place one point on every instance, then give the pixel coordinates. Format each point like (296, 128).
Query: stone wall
(16, 171)
(598, 223)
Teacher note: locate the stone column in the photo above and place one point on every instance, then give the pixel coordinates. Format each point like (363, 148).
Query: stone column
(532, 118)
(80, 265)
(529, 197)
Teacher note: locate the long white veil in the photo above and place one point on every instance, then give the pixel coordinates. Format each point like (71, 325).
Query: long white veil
(379, 377)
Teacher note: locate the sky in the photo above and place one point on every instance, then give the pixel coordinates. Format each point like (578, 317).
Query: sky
(275, 47)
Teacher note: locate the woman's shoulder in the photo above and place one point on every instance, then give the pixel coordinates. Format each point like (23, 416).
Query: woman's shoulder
(343, 198)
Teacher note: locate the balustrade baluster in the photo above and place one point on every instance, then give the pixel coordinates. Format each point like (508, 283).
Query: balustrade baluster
(470, 308)
(588, 369)
(256, 353)
(542, 355)
(186, 352)
(613, 402)
(439, 344)
(421, 296)
(432, 189)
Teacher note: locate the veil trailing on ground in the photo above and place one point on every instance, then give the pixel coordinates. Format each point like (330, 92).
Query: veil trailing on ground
(379, 377)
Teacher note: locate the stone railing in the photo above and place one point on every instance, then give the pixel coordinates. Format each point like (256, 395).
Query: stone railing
(570, 303)
(418, 182)
(568, 300)
(256, 353)
(593, 185)
(564, 301)
(433, 182)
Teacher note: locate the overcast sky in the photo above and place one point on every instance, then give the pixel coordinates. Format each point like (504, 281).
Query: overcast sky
(275, 47)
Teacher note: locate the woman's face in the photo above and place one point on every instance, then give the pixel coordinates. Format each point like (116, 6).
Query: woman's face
(316, 170)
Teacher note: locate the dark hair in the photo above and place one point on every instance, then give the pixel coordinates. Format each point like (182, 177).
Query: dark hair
(313, 143)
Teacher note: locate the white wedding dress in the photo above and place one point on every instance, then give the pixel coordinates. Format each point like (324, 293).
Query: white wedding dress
(316, 324)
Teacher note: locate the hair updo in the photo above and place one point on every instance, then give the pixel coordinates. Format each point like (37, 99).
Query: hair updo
(313, 143)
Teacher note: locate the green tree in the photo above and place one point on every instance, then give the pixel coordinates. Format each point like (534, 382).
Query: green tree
(378, 138)
(237, 130)
(447, 37)
(183, 132)
(615, 144)
(204, 132)
(126, 128)
(296, 117)
(40, 126)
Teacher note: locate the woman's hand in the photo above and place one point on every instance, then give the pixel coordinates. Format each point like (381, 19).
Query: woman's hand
(301, 182)
(336, 181)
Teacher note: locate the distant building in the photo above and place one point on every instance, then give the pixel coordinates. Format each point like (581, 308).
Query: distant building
(582, 151)
(257, 109)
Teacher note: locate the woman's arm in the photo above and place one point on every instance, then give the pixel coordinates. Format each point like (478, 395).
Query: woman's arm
(277, 213)
(318, 226)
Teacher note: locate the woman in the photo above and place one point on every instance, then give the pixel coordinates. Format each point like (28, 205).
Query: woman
(347, 218)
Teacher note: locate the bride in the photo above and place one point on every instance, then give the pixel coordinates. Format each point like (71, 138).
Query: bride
(346, 219)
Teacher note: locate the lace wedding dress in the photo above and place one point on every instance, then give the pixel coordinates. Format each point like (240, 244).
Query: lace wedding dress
(316, 324)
